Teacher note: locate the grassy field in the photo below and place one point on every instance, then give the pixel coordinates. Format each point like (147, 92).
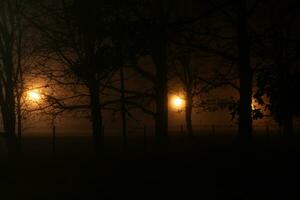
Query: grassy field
(206, 167)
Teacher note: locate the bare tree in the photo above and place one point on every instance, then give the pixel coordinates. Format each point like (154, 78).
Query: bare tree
(78, 38)
(226, 34)
(155, 24)
(12, 55)
(278, 77)
(191, 78)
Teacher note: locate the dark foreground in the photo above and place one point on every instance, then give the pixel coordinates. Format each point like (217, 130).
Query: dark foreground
(204, 168)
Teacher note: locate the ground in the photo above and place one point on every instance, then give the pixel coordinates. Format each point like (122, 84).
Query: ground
(210, 167)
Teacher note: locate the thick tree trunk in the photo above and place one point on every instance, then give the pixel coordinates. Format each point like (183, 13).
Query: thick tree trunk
(10, 37)
(287, 127)
(19, 124)
(123, 108)
(19, 119)
(161, 85)
(286, 90)
(245, 73)
(161, 123)
(287, 105)
(95, 108)
(188, 115)
(9, 122)
(161, 119)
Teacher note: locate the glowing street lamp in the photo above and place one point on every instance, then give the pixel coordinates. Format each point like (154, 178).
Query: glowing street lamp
(34, 95)
(177, 103)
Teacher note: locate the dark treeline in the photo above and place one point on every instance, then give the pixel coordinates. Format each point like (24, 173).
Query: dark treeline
(90, 52)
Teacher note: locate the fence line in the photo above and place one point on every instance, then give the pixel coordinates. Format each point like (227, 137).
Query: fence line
(213, 129)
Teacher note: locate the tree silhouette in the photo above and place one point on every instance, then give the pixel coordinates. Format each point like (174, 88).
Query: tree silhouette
(155, 25)
(191, 78)
(154, 39)
(77, 37)
(13, 51)
(226, 33)
(278, 77)
(244, 70)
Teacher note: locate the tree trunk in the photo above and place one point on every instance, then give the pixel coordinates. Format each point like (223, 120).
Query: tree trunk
(96, 118)
(286, 90)
(10, 35)
(245, 73)
(9, 122)
(123, 108)
(19, 123)
(19, 118)
(287, 127)
(161, 85)
(161, 123)
(188, 114)
(287, 104)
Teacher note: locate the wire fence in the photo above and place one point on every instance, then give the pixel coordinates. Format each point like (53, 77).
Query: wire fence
(174, 130)
(140, 138)
(199, 130)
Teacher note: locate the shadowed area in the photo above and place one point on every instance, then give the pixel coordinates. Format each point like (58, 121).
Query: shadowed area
(206, 168)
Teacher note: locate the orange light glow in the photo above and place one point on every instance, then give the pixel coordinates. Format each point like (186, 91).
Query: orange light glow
(177, 102)
(254, 104)
(33, 95)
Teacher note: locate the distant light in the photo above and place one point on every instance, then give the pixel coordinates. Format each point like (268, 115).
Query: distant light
(177, 102)
(253, 104)
(33, 95)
